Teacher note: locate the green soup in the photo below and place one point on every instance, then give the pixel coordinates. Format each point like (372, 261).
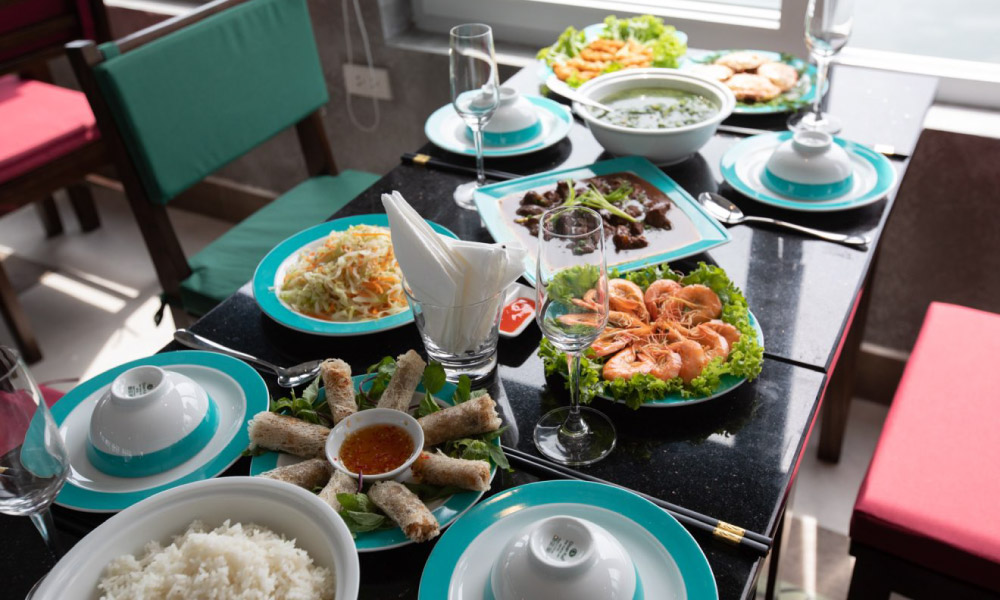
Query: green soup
(656, 108)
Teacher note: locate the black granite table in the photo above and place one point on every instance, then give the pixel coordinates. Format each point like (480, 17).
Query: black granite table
(735, 457)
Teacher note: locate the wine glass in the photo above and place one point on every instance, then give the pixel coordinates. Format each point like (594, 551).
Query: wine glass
(33, 459)
(828, 26)
(572, 286)
(475, 92)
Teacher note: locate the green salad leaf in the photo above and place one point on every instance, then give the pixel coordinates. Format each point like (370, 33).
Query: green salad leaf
(650, 30)
(569, 45)
(573, 282)
(745, 357)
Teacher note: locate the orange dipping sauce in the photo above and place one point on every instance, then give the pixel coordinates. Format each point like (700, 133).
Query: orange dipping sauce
(376, 449)
(516, 313)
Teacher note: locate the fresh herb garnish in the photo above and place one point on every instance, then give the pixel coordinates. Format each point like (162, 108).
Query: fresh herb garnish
(593, 198)
(360, 514)
(307, 407)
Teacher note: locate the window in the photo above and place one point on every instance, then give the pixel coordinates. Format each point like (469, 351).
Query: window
(950, 40)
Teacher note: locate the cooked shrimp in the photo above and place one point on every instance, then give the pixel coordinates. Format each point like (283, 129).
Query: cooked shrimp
(731, 333)
(591, 319)
(693, 359)
(627, 363)
(696, 304)
(711, 340)
(657, 293)
(672, 330)
(614, 339)
(668, 362)
(625, 296)
(626, 320)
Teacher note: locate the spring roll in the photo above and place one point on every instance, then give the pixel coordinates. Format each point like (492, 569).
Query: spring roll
(339, 389)
(307, 474)
(440, 469)
(340, 483)
(399, 392)
(406, 509)
(476, 416)
(287, 434)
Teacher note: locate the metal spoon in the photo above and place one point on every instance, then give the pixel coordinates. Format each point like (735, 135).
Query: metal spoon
(561, 88)
(730, 214)
(287, 377)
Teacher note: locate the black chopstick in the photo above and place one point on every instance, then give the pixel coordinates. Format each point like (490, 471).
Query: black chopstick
(425, 160)
(719, 529)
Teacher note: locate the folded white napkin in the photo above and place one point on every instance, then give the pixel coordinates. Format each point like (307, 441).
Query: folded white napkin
(459, 283)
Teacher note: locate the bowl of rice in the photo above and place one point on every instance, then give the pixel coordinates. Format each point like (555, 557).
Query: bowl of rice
(232, 537)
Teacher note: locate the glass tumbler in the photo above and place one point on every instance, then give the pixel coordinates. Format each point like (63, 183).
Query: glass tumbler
(462, 338)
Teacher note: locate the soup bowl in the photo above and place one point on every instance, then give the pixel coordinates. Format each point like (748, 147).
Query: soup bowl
(666, 146)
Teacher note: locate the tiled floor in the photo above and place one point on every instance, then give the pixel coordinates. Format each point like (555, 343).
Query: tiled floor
(91, 299)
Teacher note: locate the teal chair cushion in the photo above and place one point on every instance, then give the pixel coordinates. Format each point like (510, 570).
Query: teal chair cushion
(230, 261)
(192, 101)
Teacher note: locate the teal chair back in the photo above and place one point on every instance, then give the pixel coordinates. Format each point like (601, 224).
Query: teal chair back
(197, 98)
(179, 100)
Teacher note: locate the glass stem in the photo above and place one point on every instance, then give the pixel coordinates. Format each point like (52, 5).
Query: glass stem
(45, 526)
(574, 425)
(822, 66)
(477, 135)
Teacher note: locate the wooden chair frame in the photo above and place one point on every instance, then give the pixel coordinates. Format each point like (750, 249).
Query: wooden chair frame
(66, 172)
(161, 240)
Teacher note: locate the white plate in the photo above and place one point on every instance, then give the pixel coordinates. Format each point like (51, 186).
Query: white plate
(445, 129)
(238, 391)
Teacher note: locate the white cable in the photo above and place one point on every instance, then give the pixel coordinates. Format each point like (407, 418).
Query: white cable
(350, 60)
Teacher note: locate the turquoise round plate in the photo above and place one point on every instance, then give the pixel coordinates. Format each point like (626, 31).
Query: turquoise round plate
(272, 268)
(802, 94)
(727, 384)
(447, 130)
(238, 391)
(743, 164)
(665, 555)
(445, 511)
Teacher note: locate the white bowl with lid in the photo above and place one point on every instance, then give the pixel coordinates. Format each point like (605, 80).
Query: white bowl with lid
(564, 557)
(149, 420)
(515, 121)
(809, 166)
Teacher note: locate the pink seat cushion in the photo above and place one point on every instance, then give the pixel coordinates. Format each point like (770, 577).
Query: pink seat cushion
(932, 493)
(40, 122)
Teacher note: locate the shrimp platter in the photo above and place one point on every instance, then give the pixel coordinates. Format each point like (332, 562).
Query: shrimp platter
(670, 339)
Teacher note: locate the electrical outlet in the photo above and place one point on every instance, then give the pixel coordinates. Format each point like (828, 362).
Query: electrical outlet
(371, 83)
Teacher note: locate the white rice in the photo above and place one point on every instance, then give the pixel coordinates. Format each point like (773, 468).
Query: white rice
(248, 562)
